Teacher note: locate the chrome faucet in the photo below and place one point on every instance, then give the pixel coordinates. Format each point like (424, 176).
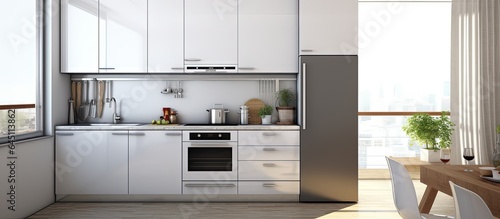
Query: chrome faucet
(116, 117)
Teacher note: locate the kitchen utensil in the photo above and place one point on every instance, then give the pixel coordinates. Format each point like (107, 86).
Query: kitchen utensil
(71, 114)
(73, 98)
(93, 105)
(108, 92)
(85, 107)
(100, 99)
(244, 115)
(254, 105)
(217, 115)
(78, 100)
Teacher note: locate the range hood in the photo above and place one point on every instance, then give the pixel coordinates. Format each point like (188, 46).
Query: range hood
(210, 69)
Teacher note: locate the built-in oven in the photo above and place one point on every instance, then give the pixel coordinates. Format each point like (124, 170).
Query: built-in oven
(210, 155)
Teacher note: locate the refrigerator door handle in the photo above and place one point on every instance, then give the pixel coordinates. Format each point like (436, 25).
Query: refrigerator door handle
(304, 72)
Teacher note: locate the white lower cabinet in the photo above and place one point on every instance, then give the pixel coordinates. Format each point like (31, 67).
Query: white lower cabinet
(268, 170)
(268, 187)
(210, 189)
(91, 162)
(155, 162)
(268, 162)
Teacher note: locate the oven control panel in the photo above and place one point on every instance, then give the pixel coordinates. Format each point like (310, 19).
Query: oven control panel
(210, 136)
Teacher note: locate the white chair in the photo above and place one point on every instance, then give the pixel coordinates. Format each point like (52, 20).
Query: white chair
(469, 205)
(403, 193)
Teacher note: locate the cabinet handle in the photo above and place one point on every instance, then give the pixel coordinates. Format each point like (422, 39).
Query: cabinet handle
(269, 134)
(212, 144)
(177, 68)
(269, 164)
(137, 133)
(304, 72)
(246, 68)
(65, 134)
(269, 149)
(173, 134)
(210, 185)
(106, 68)
(307, 50)
(269, 185)
(192, 60)
(119, 133)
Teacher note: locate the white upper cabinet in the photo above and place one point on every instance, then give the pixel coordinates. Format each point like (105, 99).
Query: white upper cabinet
(328, 27)
(165, 36)
(123, 40)
(267, 36)
(79, 36)
(211, 32)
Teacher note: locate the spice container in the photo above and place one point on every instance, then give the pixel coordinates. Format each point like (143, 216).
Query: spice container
(173, 117)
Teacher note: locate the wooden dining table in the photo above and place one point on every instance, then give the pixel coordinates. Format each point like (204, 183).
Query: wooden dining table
(436, 178)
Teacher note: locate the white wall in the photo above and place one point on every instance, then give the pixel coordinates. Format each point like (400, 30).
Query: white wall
(34, 175)
(142, 101)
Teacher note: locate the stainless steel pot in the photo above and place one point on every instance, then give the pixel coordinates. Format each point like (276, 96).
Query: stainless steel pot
(217, 115)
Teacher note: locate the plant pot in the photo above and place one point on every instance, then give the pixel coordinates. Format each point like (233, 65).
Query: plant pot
(285, 115)
(429, 155)
(266, 120)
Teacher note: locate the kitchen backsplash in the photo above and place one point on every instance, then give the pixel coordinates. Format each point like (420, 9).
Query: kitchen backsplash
(142, 101)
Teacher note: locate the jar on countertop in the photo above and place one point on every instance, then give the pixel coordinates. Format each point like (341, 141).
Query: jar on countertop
(173, 117)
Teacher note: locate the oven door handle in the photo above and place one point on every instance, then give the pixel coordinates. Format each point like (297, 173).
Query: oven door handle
(209, 185)
(212, 144)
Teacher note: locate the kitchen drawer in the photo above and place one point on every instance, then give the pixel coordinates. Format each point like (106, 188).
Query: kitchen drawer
(269, 187)
(268, 138)
(268, 152)
(209, 187)
(268, 170)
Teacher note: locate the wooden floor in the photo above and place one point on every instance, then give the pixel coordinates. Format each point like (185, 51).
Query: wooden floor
(375, 201)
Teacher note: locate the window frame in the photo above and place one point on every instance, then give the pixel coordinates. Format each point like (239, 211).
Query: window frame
(40, 81)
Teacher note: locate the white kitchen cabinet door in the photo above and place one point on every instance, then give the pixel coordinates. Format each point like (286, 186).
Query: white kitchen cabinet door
(269, 187)
(155, 162)
(268, 170)
(210, 32)
(91, 162)
(328, 27)
(165, 36)
(123, 40)
(268, 138)
(268, 152)
(79, 36)
(268, 36)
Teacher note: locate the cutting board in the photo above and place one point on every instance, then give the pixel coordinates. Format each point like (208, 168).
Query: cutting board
(254, 105)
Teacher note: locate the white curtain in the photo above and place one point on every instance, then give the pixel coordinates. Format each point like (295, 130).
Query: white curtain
(475, 77)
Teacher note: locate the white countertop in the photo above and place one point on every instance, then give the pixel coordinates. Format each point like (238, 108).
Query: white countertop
(177, 127)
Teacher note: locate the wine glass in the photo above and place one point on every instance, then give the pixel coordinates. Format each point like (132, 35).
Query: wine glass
(445, 155)
(468, 155)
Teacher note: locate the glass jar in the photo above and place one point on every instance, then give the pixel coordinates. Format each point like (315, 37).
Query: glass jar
(496, 153)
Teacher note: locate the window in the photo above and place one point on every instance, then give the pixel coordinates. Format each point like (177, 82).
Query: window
(21, 77)
(404, 66)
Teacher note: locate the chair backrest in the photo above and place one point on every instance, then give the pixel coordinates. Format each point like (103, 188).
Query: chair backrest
(403, 191)
(469, 205)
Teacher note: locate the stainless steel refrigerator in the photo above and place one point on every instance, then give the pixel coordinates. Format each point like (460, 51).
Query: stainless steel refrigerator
(328, 115)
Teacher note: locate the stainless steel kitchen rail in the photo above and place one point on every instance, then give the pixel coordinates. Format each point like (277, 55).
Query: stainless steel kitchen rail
(187, 77)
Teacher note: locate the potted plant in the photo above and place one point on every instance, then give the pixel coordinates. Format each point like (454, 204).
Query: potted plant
(424, 129)
(265, 113)
(445, 130)
(285, 99)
